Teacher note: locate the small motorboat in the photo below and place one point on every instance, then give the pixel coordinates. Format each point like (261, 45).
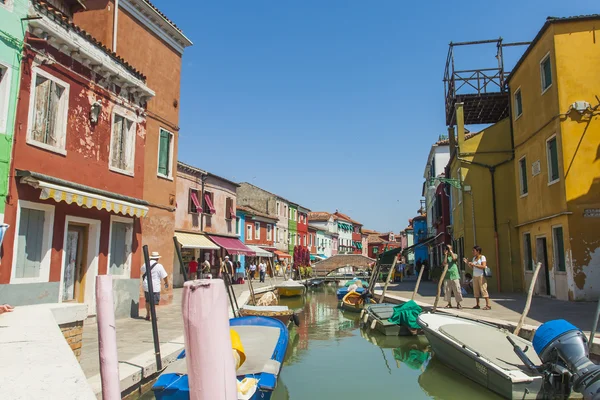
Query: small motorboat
(265, 343)
(290, 288)
(354, 302)
(377, 317)
(282, 313)
(343, 291)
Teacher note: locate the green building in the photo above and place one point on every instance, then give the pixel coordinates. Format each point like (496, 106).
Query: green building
(293, 228)
(12, 33)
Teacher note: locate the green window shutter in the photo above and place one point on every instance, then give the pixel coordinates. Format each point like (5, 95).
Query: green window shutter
(547, 73)
(523, 165)
(560, 248)
(29, 243)
(163, 153)
(553, 153)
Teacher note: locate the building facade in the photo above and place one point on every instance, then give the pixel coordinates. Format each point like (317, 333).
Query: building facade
(554, 90)
(75, 204)
(302, 226)
(122, 29)
(293, 240)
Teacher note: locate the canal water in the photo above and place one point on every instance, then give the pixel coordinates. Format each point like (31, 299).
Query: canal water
(331, 358)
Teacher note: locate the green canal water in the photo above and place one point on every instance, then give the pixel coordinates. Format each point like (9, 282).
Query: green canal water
(331, 358)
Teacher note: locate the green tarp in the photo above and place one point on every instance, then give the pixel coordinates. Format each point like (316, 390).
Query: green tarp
(413, 358)
(406, 314)
(387, 258)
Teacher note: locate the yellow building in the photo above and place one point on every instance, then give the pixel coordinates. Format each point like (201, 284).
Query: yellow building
(483, 210)
(555, 93)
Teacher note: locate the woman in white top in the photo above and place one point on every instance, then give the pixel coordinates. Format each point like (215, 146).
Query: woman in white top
(479, 264)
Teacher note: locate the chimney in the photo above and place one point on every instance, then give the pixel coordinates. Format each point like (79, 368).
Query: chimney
(460, 125)
(451, 138)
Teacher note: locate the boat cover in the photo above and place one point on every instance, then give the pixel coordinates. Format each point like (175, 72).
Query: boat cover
(406, 315)
(265, 308)
(290, 283)
(491, 344)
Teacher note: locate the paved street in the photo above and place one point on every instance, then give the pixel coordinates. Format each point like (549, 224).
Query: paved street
(135, 335)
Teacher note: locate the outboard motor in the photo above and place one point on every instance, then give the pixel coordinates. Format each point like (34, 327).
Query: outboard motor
(563, 348)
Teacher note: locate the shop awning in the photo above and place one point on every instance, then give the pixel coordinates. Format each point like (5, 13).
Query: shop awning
(233, 246)
(425, 242)
(260, 252)
(281, 254)
(84, 196)
(195, 241)
(323, 256)
(316, 257)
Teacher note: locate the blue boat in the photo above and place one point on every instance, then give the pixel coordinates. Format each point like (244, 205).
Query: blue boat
(265, 342)
(344, 291)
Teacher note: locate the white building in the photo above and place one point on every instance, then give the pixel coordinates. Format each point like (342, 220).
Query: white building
(438, 158)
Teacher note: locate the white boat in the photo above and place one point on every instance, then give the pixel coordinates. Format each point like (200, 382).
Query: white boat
(290, 288)
(482, 353)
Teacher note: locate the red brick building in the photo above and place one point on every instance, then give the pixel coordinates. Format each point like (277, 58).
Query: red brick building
(77, 175)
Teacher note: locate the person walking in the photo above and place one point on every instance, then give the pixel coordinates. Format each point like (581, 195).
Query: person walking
(206, 269)
(479, 264)
(157, 272)
(262, 270)
(452, 278)
(252, 269)
(227, 269)
(193, 269)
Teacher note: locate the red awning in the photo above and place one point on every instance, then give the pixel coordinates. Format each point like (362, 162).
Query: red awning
(233, 246)
(281, 254)
(209, 203)
(196, 202)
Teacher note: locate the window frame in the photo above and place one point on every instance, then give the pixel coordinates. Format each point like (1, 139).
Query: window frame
(5, 87)
(528, 258)
(542, 73)
(127, 269)
(49, 211)
(133, 131)
(191, 202)
(169, 176)
(238, 226)
(555, 263)
(204, 205)
(249, 232)
(228, 207)
(65, 117)
(269, 232)
(257, 231)
(522, 192)
(549, 162)
(520, 95)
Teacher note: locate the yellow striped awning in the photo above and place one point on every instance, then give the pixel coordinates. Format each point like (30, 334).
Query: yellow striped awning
(83, 198)
(195, 241)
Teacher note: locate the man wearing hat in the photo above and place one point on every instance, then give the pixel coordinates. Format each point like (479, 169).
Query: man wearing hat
(157, 272)
(227, 267)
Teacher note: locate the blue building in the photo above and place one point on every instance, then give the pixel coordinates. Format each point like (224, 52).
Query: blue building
(420, 236)
(240, 217)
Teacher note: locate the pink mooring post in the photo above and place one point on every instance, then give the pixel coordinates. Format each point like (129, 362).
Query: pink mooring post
(107, 339)
(210, 364)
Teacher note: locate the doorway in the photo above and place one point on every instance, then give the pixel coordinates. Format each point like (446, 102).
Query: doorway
(543, 280)
(75, 264)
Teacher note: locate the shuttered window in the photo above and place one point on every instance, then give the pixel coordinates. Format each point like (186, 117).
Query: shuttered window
(546, 73)
(122, 145)
(552, 151)
(559, 248)
(523, 175)
(527, 252)
(50, 103)
(164, 153)
(120, 247)
(229, 211)
(30, 243)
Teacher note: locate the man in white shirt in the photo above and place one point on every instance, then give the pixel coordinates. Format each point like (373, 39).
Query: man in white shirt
(262, 268)
(157, 272)
(252, 269)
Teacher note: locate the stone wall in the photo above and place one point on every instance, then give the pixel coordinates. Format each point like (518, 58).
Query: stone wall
(73, 333)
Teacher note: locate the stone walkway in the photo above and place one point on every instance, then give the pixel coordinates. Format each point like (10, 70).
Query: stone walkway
(507, 306)
(135, 335)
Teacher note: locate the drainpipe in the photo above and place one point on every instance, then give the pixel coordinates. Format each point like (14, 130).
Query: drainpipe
(115, 21)
(203, 178)
(492, 172)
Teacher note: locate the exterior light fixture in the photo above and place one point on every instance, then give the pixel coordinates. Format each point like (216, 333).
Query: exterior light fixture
(95, 111)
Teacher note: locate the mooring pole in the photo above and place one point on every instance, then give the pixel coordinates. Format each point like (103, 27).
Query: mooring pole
(107, 339)
(152, 308)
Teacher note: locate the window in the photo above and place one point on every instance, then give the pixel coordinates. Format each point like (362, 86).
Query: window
(278, 208)
(229, 211)
(559, 248)
(31, 258)
(5, 73)
(48, 112)
(249, 232)
(527, 252)
(257, 230)
(310, 239)
(121, 239)
(238, 222)
(523, 175)
(285, 210)
(304, 240)
(518, 103)
(269, 232)
(165, 154)
(552, 153)
(289, 237)
(207, 205)
(459, 191)
(546, 73)
(122, 144)
(194, 202)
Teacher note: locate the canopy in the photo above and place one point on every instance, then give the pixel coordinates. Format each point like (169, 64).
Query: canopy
(195, 241)
(281, 254)
(316, 257)
(323, 256)
(84, 196)
(260, 252)
(423, 243)
(232, 245)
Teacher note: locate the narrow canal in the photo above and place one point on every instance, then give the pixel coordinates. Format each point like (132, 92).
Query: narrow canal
(331, 357)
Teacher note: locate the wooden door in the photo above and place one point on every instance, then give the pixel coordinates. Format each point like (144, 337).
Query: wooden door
(75, 267)
(543, 280)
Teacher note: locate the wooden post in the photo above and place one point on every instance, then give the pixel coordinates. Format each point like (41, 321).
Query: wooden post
(418, 283)
(251, 291)
(155, 339)
(107, 339)
(387, 281)
(529, 296)
(439, 290)
(209, 359)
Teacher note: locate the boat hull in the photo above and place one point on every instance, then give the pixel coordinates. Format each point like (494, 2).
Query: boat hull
(283, 316)
(341, 292)
(380, 314)
(290, 291)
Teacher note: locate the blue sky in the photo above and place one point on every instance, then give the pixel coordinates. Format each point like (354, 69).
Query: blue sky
(333, 104)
